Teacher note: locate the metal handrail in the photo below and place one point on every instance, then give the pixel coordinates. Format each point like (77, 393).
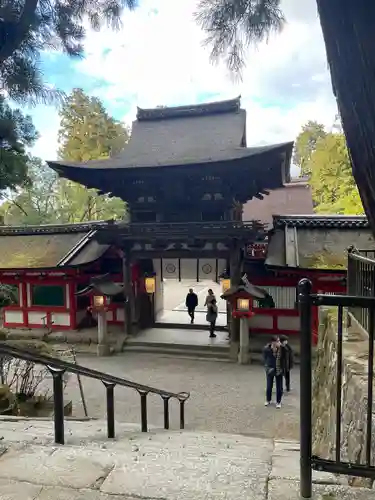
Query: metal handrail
(58, 367)
(362, 258)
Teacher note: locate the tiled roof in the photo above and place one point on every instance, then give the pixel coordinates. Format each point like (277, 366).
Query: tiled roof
(48, 246)
(321, 221)
(183, 135)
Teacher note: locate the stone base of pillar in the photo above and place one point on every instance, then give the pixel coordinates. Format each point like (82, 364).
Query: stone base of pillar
(103, 350)
(243, 353)
(233, 350)
(244, 356)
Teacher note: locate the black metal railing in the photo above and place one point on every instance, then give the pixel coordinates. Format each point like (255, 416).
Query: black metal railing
(361, 282)
(58, 367)
(308, 462)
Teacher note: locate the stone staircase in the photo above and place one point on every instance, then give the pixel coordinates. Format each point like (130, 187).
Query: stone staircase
(165, 465)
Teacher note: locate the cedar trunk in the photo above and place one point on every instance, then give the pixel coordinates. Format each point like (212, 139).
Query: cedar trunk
(349, 34)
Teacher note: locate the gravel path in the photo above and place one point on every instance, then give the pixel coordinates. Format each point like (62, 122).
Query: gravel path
(225, 397)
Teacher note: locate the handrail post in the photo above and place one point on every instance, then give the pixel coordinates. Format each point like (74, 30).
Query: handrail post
(143, 395)
(182, 414)
(304, 291)
(110, 390)
(166, 411)
(58, 403)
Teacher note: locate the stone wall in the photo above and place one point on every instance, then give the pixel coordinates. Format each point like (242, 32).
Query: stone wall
(354, 398)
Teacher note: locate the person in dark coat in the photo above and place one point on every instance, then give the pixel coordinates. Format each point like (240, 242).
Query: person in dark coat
(191, 303)
(211, 317)
(274, 363)
(289, 360)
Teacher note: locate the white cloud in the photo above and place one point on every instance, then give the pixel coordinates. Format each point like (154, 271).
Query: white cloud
(158, 58)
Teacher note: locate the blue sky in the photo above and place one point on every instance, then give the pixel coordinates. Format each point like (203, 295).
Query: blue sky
(157, 58)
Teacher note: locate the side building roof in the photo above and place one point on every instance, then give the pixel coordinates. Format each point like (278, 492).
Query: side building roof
(49, 246)
(316, 241)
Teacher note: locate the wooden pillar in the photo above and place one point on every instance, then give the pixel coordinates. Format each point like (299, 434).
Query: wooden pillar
(128, 289)
(235, 279)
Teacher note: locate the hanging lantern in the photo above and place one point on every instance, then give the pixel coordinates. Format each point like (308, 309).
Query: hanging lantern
(150, 284)
(98, 302)
(225, 284)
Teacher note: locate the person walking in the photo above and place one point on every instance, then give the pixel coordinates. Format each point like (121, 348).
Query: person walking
(191, 303)
(212, 316)
(289, 360)
(274, 362)
(210, 297)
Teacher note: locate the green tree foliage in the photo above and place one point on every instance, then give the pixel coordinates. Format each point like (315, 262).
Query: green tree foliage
(87, 132)
(305, 145)
(17, 133)
(50, 200)
(333, 186)
(37, 203)
(232, 26)
(29, 26)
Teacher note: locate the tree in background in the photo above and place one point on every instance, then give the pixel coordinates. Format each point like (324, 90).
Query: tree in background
(17, 133)
(348, 32)
(29, 26)
(87, 132)
(305, 145)
(324, 158)
(332, 182)
(37, 203)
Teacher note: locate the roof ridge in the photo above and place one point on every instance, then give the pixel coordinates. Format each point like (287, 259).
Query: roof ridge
(189, 110)
(75, 227)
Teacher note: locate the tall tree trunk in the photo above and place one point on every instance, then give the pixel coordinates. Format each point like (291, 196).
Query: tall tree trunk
(349, 30)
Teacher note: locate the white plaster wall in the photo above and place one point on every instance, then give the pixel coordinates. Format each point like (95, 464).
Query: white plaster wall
(189, 269)
(170, 269)
(207, 269)
(261, 321)
(109, 315)
(13, 317)
(60, 319)
(36, 317)
(288, 322)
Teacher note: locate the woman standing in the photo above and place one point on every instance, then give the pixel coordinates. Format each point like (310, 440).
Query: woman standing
(212, 316)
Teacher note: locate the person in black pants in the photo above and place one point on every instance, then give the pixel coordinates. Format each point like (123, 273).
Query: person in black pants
(289, 360)
(274, 362)
(191, 303)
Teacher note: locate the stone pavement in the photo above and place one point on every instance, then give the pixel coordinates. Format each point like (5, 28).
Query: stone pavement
(225, 397)
(165, 465)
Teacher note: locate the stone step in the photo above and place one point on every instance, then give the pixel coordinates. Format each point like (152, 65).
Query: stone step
(181, 353)
(167, 465)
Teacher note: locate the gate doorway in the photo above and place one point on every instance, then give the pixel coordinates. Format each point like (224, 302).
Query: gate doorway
(177, 277)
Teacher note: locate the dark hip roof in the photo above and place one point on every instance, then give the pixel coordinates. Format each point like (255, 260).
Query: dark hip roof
(183, 135)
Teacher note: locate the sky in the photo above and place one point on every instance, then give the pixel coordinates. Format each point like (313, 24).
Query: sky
(158, 58)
